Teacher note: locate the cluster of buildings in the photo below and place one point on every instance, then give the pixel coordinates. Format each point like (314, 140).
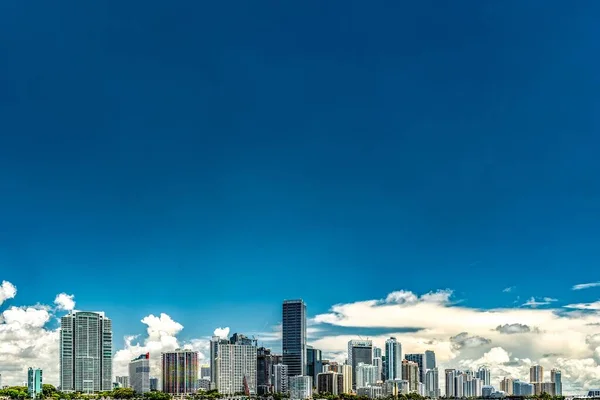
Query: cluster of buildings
(238, 366)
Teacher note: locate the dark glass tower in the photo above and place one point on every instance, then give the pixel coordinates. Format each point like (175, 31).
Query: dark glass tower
(294, 336)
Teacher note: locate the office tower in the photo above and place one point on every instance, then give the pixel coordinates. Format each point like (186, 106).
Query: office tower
(179, 371)
(430, 360)
(85, 352)
(547, 387)
(300, 387)
(294, 336)
(393, 359)
(314, 363)
(377, 362)
(506, 385)
(236, 365)
(347, 378)
(34, 382)
(432, 383)
(366, 374)
(410, 373)
(330, 382)
(205, 371)
(487, 391)
(536, 374)
(377, 352)
(280, 378)
(483, 373)
(153, 384)
(359, 351)
(472, 387)
(419, 359)
(556, 378)
(123, 381)
(139, 374)
(264, 371)
(450, 382)
(459, 384)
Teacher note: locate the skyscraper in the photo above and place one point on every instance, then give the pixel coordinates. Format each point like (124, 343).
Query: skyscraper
(85, 352)
(430, 360)
(300, 387)
(347, 378)
(410, 373)
(378, 363)
(536, 374)
(359, 351)
(34, 382)
(484, 374)
(432, 383)
(419, 359)
(556, 378)
(236, 365)
(366, 374)
(294, 336)
(179, 371)
(314, 362)
(139, 373)
(280, 378)
(264, 370)
(450, 382)
(330, 382)
(506, 385)
(393, 358)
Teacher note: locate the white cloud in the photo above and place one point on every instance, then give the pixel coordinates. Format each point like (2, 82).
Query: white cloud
(223, 333)
(585, 306)
(532, 302)
(65, 302)
(508, 289)
(585, 285)
(7, 291)
(464, 336)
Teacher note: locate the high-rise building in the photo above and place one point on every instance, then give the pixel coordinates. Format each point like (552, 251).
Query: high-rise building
(546, 387)
(378, 362)
(430, 360)
(359, 351)
(139, 373)
(235, 365)
(85, 352)
(300, 387)
(330, 382)
(153, 384)
(419, 359)
(393, 359)
(205, 371)
(484, 374)
(432, 384)
(314, 362)
(522, 389)
(410, 372)
(179, 371)
(506, 385)
(264, 371)
(294, 336)
(450, 375)
(34, 382)
(280, 378)
(366, 374)
(536, 374)
(347, 378)
(122, 381)
(556, 378)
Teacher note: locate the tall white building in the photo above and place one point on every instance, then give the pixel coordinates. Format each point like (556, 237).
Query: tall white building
(139, 374)
(300, 387)
(378, 363)
(366, 375)
(85, 352)
(432, 384)
(280, 378)
(450, 375)
(393, 357)
(347, 378)
(235, 365)
(484, 374)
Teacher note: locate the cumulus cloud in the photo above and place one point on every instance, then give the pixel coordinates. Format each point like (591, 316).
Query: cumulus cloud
(532, 302)
(510, 329)
(508, 289)
(585, 306)
(223, 333)
(467, 336)
(65, 302)
(7, 291)
(582, 286)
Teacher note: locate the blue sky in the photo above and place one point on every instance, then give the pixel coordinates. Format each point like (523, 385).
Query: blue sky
(209, 160)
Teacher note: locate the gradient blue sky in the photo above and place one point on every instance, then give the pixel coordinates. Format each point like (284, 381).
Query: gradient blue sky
(209, 159)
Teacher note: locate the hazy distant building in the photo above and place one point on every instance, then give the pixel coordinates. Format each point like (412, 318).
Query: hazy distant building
(430, 362)
(366, 374)
(85, 352)
(410, 373)
(179, 372)
(347, 378)
(294, 336)
(280, 378)
(139, 374)
(330, 382)
(236, 364)
(34, 382)
(556, 378)
(487, 391)
(506, 385)
(419, 359)
(314, 363)
(484, 374)
(393, 359)
(536, 374)
(450, 378)
(300, 387)
(359, 351)
(432, 384)
(522, 389)
(123, 381)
